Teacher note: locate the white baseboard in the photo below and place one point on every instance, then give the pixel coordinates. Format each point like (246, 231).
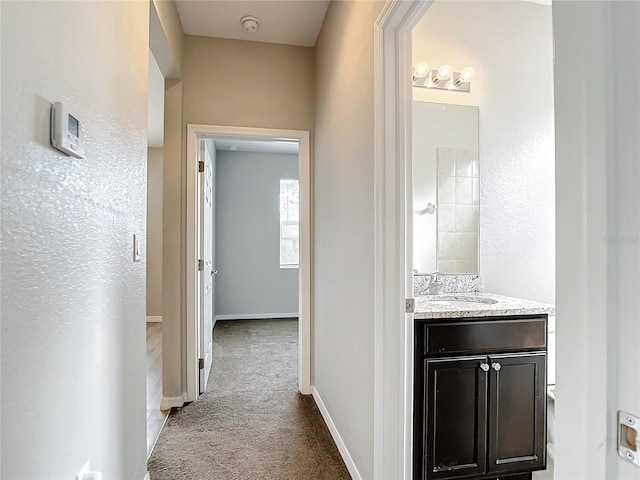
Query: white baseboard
(154, 318)
(255, 316)
(342, 448)
(171, 402)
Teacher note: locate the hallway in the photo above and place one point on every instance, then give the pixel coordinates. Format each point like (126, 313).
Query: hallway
(252, 422)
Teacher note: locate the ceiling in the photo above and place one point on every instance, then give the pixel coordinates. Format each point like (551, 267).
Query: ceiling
(288, 22)
(261, 146)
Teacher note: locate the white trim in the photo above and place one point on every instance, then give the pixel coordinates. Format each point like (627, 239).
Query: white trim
(192, 328)
(154, 318)
(255, 316)
(392, 271)
(342, 447)
(167, 403)
(147, 476)
(304, 273)
(155, 440)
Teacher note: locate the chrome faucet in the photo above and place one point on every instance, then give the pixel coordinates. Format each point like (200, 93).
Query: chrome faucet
(435, 287)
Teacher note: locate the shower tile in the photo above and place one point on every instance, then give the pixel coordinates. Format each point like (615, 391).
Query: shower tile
(447, 266)
(446, 190)
(447, 218)
(464, 163)
(466, 219)
(447, 246)
(476, 191)
(446, 162)
(466, 246)
(464, 191)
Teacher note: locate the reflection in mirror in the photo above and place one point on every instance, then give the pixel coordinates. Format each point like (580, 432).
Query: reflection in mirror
(446, 193)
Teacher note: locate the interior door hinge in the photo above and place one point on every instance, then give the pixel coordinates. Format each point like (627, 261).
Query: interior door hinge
(200, 265)
(410, 305)
(200, 166)
(201, 363)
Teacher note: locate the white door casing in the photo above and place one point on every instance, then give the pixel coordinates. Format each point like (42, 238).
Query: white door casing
(597, 337)
(206, 273)
(393, 329)
(191, 343)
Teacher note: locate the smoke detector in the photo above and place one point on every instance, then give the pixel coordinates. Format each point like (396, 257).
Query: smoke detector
(250, 23)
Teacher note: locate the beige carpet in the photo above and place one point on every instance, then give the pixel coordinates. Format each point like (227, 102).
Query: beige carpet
(251, 423)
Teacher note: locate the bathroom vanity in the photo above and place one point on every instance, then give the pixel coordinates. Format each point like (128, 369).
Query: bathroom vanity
(479, 387)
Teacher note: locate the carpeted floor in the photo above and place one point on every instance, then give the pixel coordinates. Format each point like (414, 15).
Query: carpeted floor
(251, 423)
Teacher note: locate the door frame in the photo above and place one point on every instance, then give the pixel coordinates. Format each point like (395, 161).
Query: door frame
(201, 276)
(194, 131)
(393, 278)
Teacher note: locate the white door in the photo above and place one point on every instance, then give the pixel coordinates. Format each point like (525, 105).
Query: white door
(207, 272)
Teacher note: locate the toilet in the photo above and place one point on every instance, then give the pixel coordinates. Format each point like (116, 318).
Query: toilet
(551, 420)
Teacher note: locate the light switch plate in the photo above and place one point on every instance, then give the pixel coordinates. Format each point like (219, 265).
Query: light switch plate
(629, 437)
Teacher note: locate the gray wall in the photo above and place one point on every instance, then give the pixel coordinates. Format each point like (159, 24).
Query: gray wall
(154, 232)
(250, 280)
(343, 329)
(73, 302)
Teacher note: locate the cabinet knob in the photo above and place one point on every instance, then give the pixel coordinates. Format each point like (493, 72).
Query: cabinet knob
(496, 366)
(484, 367)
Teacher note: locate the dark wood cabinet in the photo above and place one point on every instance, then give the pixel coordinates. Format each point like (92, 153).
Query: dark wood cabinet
(479, 406)
(517, 405)
(456, 433)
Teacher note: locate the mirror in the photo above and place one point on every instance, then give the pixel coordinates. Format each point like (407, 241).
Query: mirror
(446, 188)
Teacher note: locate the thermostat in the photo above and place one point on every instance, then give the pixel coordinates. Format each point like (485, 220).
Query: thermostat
(65, 131)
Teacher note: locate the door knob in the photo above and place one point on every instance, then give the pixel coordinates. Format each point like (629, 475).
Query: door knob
(214, 272)
(484, 367)
(496, 366)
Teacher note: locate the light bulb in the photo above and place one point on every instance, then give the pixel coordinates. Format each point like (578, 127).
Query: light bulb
(444, 72)
(466, 75)
(421, 70)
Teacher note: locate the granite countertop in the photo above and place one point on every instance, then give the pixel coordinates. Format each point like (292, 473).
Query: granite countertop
(491, 305)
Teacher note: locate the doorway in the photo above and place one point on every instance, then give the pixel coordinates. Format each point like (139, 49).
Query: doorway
(474, 142)
(197, 329)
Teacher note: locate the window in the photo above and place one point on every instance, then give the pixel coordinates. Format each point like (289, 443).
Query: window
(289, 226)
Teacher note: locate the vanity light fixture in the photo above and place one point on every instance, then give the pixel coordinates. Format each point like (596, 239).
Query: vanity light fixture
(444, 73)
(442, 79)
(421, 70)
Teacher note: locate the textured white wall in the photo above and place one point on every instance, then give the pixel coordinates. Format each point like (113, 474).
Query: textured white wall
(509, 43)
(343, 229)
(154, 232)
(597, 51)
(73, 302)
(250, 280)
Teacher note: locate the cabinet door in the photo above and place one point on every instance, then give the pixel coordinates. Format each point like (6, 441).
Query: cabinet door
(456, 417)
(517, 413)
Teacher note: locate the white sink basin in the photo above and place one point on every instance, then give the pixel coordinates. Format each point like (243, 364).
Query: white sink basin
(458, 303)
(461, 301)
